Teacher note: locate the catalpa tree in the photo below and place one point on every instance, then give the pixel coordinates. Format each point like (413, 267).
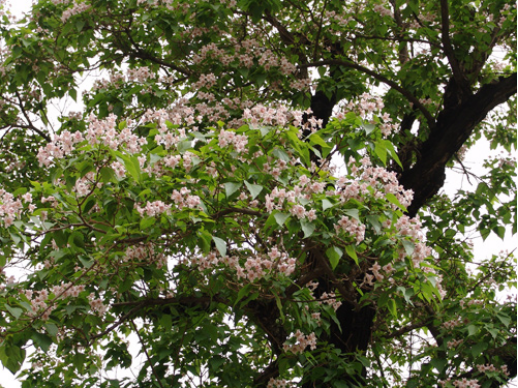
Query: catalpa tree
(250, 193)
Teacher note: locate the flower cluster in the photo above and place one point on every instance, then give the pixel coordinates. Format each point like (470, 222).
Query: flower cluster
(368, 107)
(246, 53)
(451, 324)
(76, 9)
(255, 266)
(302, 342)
(39, 303)
(453, 344)
(331, 299)
(59, 147)
(153, 209)
(96, 305)
(144, 253)
(278, 383)
(351, 226)
(141, 74)
(464, 383)
(293, 198)
(239, 142)
(66, 290)
(377, 274)
(183, 198)
(281, 116)
(10, 208)
(381, 182)
(105, 132)
(491, 368)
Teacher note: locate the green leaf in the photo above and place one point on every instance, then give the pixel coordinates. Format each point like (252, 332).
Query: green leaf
(87, 262)
(281, 218)
(478, 348)
(221, 246)
(146, 223)
(381, 152)
(184, 145)
(322, 71)
(132, 166)
(79, 25)
(254, 190)
(316, 139)
(51, 329)
(77, 239)
(259, 79)
(409, 247)
(107, 175)
(279, 306)
(14, 311)
(334, 254)
(264, 130)
(242, 292)
(369, 128)
(11, 356)
(281, 154)
(505, 319)
(354, 213)
(42, 340)
(439, 364)
(307, 227)
(375, 223)
(500, 231)
(351, 251)
(472, 330)
(391, 305)
(231, 188)
(393, 200)
(326, 204)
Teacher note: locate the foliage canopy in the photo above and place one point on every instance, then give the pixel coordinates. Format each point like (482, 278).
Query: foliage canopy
(193, 205)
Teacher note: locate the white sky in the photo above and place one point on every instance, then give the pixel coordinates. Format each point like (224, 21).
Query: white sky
(454, 181)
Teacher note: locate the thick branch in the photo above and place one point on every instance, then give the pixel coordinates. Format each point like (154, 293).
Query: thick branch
(409, 96)
(458, 74)
(140, 304)
(454, 127)
(271, 372)
(403, 50)
(289, 40)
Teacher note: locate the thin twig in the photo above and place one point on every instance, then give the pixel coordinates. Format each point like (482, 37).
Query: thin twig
(147, 354)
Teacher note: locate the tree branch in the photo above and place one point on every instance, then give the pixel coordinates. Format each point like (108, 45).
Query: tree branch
(157, 378)
(288, 39)
(458, 74)
(409, 96)
(270, 372)
(454, 127)
(230, 210)
(31, 125)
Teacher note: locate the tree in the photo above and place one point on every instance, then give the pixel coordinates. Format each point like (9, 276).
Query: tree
(193, 204)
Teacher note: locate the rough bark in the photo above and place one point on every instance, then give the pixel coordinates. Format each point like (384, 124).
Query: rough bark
(455, 124)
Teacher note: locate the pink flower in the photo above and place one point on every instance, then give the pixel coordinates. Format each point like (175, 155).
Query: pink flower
(298, 211)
